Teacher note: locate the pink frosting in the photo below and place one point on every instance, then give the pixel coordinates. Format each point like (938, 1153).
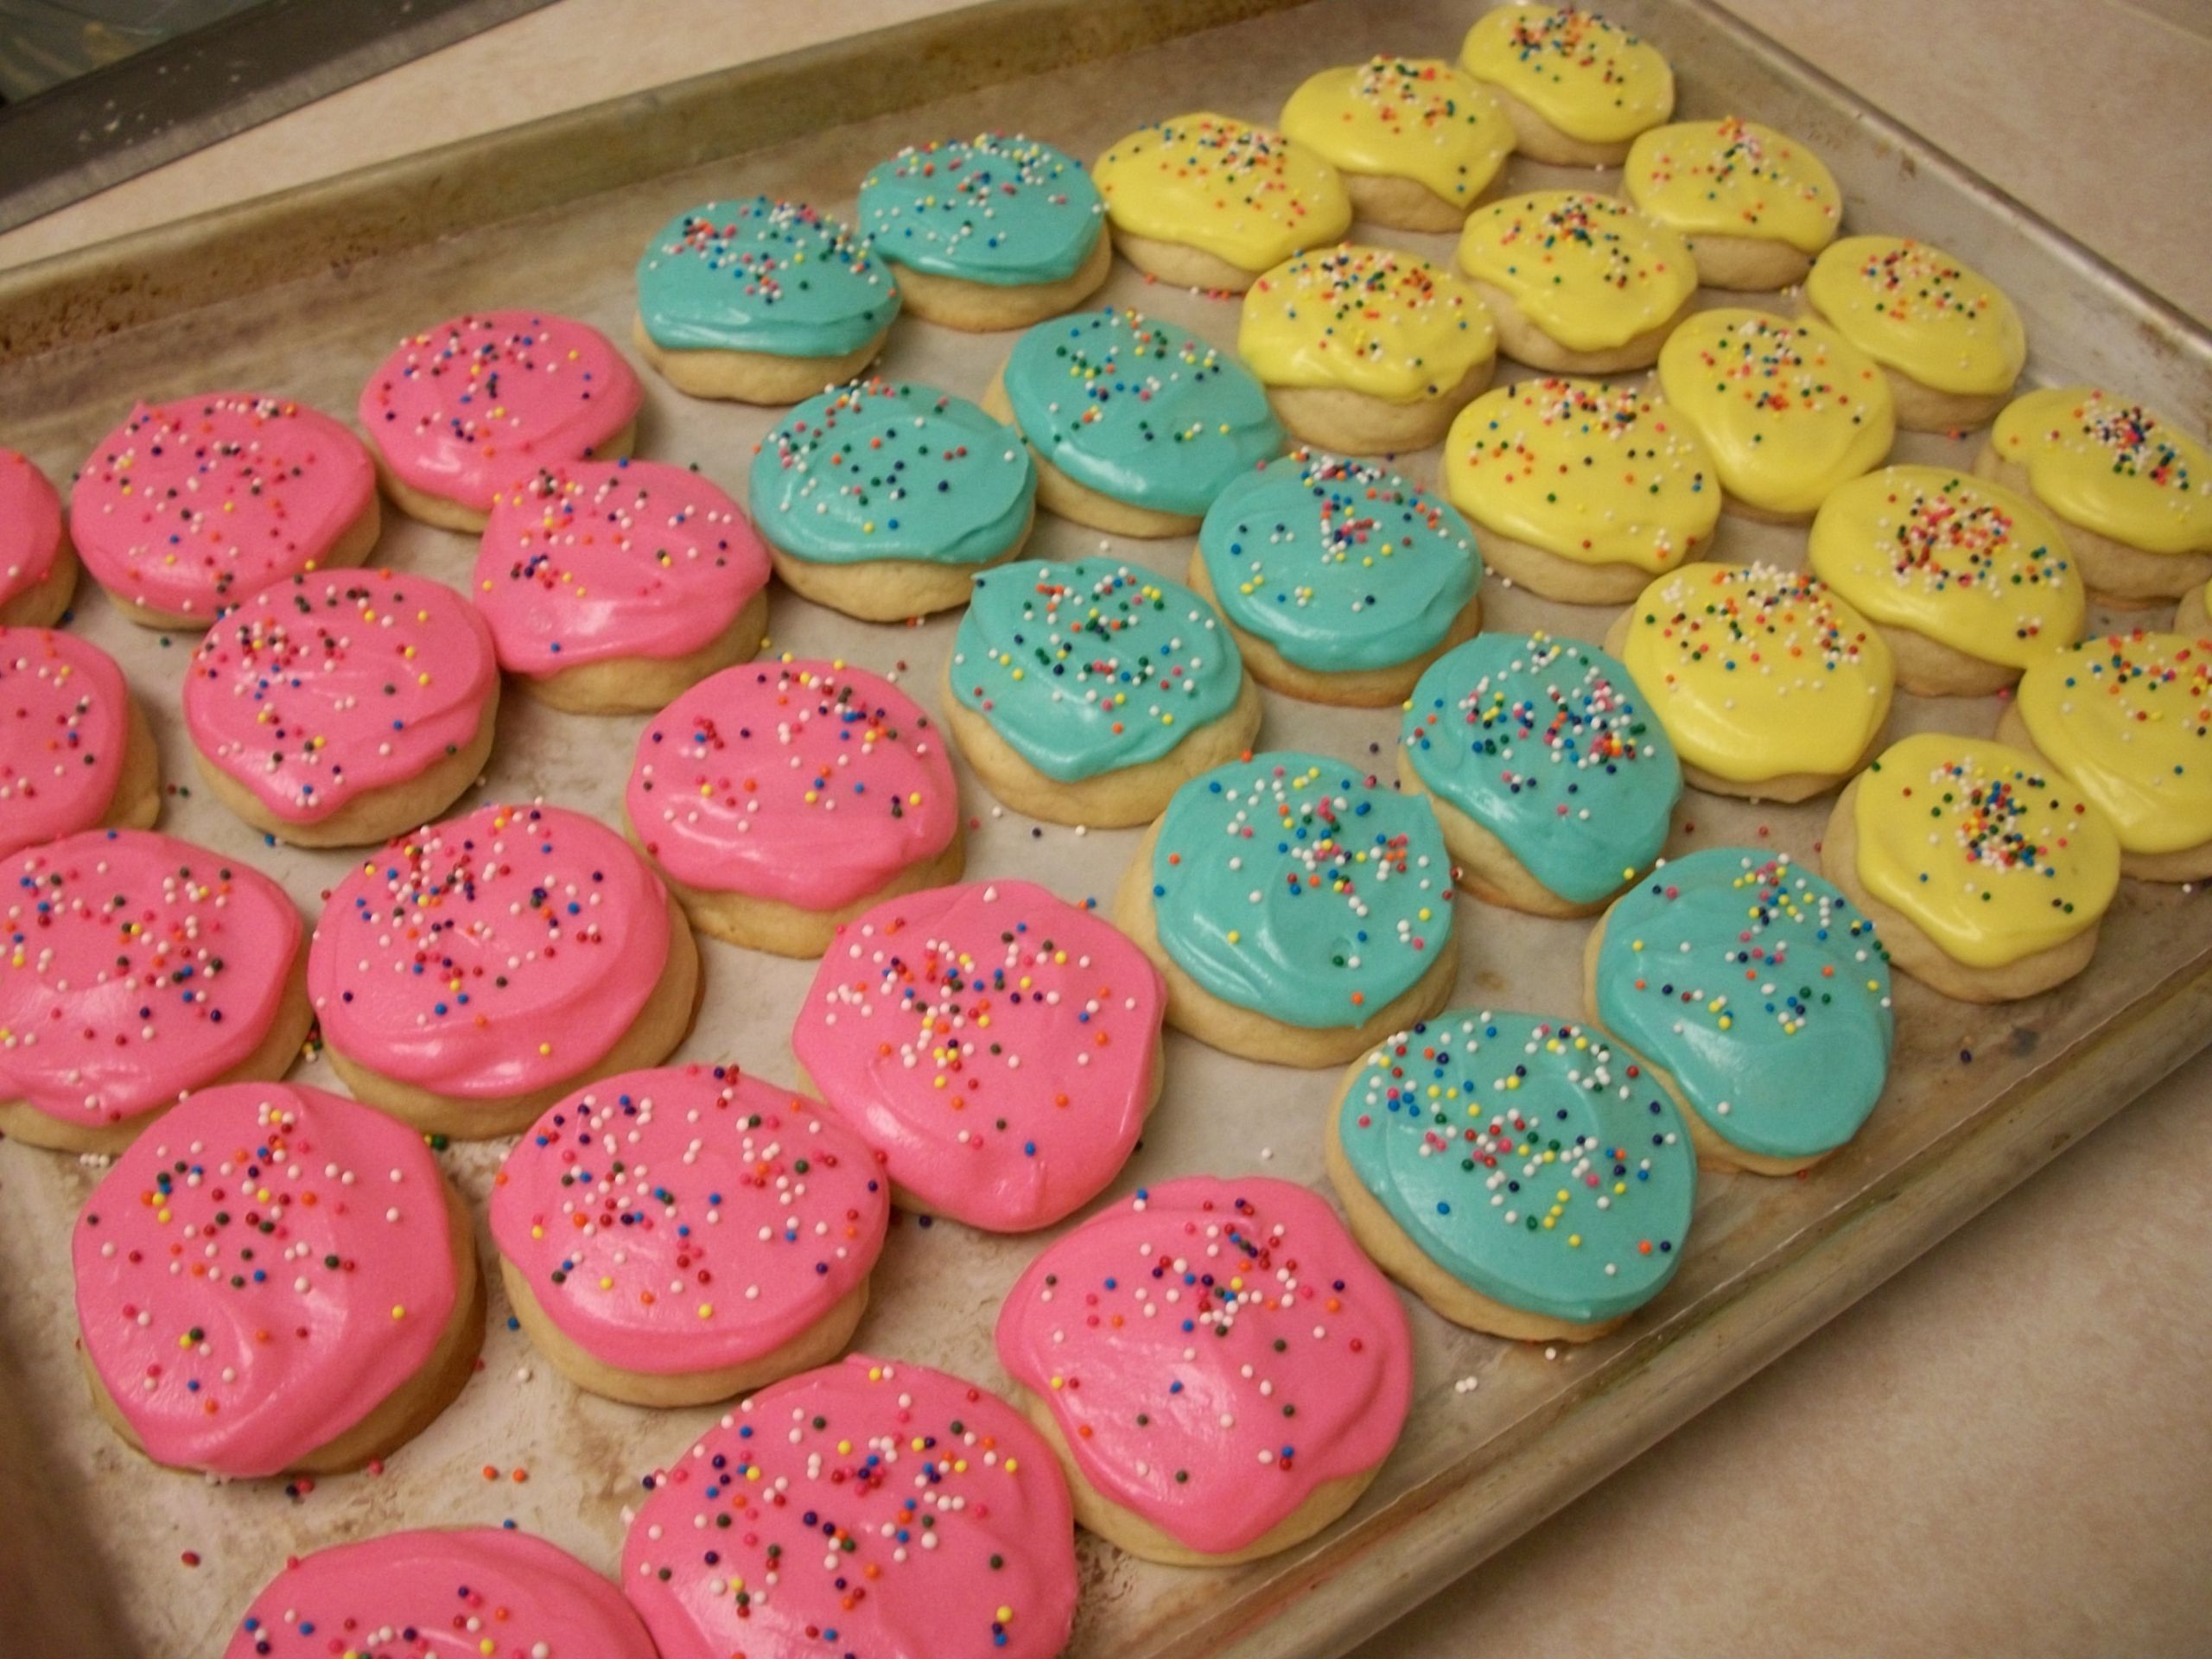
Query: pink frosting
(259, 1271)
(464, 409)
(996, 1045)
(189, 506)
(873, 1509)
(138, 967)
(30, 525)
(591, 560)
(65, 718)
(689, 1218)
(320, 688)
(477, 1592)
(810, 782)
(489, 955)
(1213, 1351)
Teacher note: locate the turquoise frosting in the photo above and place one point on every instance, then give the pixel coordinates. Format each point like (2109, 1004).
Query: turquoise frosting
(763, 275)
(1337, 564)
(1297, 885)
(1000, 209)
(1546, 744)
(1139, 410)
(1092, 666)
(882, 470)
(1525, 1158)
(1762, 989)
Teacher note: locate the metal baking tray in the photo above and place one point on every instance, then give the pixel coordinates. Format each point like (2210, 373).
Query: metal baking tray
(301, 293)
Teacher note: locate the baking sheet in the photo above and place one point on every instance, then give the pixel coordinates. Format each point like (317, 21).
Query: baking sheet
(1980, 1096)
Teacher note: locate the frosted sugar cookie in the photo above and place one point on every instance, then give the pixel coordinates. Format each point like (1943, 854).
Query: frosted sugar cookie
(1948, 341)
(611, 586)
(999, 1048)
(1968, 582)
(1754, 205)
(75, 750)
(882, 499)
(1339, 581)
(1771, 685)
(1518, 1174)
(142, 968)
(1788, 411)
(1759, 997)
(1584, 491)
(2134, 492)
(189, 506)
(1576, 87)
(1298, 908)
(779, 799)
(273, 1279)
(1986, 871)
(1578, 283)
(1218, 1369)
(1552, 783)
(1417, 141)
(906, 1510)
(38, 568)
(760, 301)
(1208, 202)
(1366, 350)
(1136, 425)
(997, 232)
(682, 1235)
(469, 975)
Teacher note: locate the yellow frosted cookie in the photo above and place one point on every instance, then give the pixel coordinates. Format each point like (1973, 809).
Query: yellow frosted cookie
(1418, 141)
(1208, 202)
(1985, 871)
(2134, 492)
(1754, 204)
(1769, 685)
(1367, 351)
(1583, 491)
(1576, 87)
(1970, 582)
(1945, 335)
(1789, 410)
(1578, 283)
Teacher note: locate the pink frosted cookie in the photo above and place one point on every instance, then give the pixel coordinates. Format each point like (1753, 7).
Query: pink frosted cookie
(611, 586)
(38, 571)
(469, 975)
(75, 751)
(1000, 1047)
(673, 1236)
(779, 799)
(460, 411)
(138, 968)
(476, 1593)
(342, 707)
(189, 506)
(273, 1278)
(1220, 1369)
(867, 1507)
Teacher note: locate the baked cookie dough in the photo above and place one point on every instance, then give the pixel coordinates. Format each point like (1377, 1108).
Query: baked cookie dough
(1419, 141)
(1946, 338)
(1579, 284)
(1754, 205)
(1576, 87)
(75, 750)
(38, 568)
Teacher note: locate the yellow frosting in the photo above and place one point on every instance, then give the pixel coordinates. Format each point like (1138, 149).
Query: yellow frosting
(1734, 178)
(2111, 466)
(1367, 319)
(1961, 560)
(2129, 718)
(1789, 410)
(1757, 672)
(1991, 853)
(1592, 80)
(1238, 192)
(1416, 119)
(1589, 271)
(1915, 309)
(1598, 473)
